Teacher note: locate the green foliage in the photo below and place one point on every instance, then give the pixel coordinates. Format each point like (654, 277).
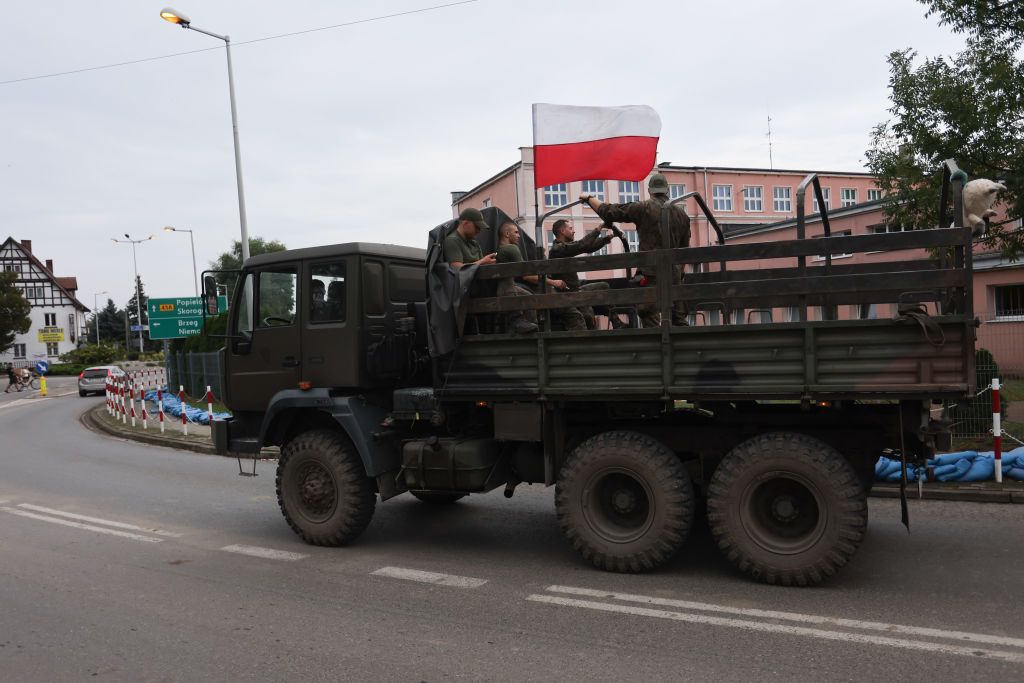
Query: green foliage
(232, 260)
(66, 369)
(974, 415)
(202, 342)
(111, 324)
(91, 355)
(14, 311)
(967, 107)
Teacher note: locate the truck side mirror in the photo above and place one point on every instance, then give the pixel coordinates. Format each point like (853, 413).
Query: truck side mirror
(210, 295)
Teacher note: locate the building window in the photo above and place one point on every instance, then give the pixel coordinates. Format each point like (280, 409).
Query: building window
(826, 194)
(874, 195)
(487, 202)
(19, 350)
(51, 319)
(633, 240)
(752, 198)
(882, 229)
(51, 349)
(629, 191)
(844, 233)
(847, 196)
(16, 267)
(593, 187)
(1009, 301)
(556, 195)
(721, 197)
(783, 199)
(676, 190)
(34, 292)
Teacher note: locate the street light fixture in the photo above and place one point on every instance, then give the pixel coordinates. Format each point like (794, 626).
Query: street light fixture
(97, 315)
(176, 17)
(138, 291)
(195, 274)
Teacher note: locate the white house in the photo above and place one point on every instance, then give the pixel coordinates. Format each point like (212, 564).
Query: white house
(58, 318)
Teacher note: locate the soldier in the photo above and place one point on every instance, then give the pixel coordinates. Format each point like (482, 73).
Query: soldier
(520, 322)
(460, 247)
(580, 317)
(646, 215)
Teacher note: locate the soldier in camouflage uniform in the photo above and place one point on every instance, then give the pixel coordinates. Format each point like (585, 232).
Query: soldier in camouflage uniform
(646, 215)
(509, 252)
(578, 317)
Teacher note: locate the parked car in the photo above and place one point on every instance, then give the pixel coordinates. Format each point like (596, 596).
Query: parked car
(95, 379)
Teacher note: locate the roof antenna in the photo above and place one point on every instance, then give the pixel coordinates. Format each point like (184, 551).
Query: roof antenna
(771, 163)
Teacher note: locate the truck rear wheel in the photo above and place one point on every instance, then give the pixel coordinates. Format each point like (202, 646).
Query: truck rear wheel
(787, 509)
(323, 489)
(624, 501)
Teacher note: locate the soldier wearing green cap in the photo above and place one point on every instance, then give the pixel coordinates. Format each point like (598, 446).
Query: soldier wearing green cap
(646, 215)
(461, 247)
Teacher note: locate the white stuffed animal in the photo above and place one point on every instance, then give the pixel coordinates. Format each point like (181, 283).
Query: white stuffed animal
(979, 196)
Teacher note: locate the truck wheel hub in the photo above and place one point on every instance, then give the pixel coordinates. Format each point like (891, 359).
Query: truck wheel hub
(785, 509)
(624, 501)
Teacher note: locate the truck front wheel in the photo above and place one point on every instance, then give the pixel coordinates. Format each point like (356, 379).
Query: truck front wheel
(787, 509)
(624, 501)
(323, 489)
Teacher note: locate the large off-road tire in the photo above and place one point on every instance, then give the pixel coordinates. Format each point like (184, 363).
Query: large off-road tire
(787, 509)
(438, 498)
(624, 501)
(323, 489)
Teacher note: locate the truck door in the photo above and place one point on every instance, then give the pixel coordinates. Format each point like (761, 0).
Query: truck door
(264, 355)
(330, 341)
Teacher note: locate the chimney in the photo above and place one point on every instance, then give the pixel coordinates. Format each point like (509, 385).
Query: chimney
(49, 264)
(28, 245)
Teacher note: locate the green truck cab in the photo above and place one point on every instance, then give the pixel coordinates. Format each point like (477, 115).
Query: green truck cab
(377, 374)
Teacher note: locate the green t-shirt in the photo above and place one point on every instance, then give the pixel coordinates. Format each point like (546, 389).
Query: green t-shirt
(508, 253)
(459, 250)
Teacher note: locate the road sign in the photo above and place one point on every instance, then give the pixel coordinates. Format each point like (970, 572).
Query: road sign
(174, 318)
(136, 328)
(42, 367)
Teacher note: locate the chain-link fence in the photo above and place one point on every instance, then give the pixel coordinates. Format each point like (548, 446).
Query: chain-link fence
(194, 371)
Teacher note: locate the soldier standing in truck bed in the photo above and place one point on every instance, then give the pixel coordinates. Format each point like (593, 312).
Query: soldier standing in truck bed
(646, 215)
(564, 246)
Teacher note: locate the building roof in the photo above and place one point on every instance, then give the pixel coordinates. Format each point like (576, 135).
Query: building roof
(56, 280)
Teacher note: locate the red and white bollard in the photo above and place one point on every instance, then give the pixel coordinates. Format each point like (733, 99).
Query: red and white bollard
(131, 398)
(184, 419)
(160, 405)
(997, 430)
(124, 413)
(209, 403)
(142, 398)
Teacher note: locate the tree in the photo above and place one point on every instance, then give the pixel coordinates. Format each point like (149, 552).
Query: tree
(969, 107)
(14, 311)
(111, 323)
(232, 260)
(133, 310)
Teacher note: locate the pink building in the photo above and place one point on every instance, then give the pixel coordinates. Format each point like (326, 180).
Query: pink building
(756, 205)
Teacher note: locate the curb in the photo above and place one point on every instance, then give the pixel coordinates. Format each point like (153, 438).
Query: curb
(981, 492)
(97, 420)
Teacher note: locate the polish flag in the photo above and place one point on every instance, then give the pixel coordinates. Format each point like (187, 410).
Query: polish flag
(591, 143)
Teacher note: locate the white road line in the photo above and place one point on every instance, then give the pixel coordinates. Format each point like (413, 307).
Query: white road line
(265, 553)
(795, 616)
(97, 520)
(429, 577)
(844, 636)
(78, 525)
(16, 402)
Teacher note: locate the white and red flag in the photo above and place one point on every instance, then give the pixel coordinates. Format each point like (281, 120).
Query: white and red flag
(589, 143)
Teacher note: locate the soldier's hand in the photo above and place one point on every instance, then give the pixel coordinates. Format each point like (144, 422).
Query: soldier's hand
(558, 284)
(487, 260)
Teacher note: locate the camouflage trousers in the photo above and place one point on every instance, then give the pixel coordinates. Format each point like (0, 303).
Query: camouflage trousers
(649, 314)
(580, 317)
(508, 287)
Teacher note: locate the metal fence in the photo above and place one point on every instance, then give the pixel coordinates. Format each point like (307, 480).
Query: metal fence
(194, 371)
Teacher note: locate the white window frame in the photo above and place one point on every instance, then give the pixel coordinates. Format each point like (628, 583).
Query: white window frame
(826, 194)
(874, 194)
(52, 349)
(847, 196)
(487, 202)
(1010, 317)
(593, 187)
(841, 233)
(721, 197)
(633, 239)
(19, 351)
(753, 202)
(676, 190)
(556, 195)
(629, 191)
(782, 199)
(50, 319)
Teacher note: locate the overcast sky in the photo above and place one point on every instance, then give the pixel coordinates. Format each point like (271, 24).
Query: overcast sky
(361, 132)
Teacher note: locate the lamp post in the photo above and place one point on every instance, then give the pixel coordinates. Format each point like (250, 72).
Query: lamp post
(138, 291)
(195, 273)
(176, 17)
(97, 314)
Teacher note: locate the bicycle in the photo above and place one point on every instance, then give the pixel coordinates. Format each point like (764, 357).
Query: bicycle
(29, 382)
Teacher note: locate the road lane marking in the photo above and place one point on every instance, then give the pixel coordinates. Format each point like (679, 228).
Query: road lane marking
(794, 616)
(822, 634)
(97, 520)
(429, 577)
(79, 525)
(265, 553)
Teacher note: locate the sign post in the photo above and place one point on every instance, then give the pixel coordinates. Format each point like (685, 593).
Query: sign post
(42, 367)
(175, 318)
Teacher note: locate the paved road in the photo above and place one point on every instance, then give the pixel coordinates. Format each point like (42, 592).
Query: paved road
(120, 561)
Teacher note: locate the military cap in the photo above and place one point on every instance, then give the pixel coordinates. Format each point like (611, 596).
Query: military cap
(476, 217)
(658, 184)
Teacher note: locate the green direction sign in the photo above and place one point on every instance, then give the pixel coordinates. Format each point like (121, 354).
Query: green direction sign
(173, 318)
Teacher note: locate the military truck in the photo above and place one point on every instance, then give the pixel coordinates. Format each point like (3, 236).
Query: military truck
(769, 409)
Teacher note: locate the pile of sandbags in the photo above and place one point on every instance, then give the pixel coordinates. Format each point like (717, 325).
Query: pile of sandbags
(172, 406)
(958, 466)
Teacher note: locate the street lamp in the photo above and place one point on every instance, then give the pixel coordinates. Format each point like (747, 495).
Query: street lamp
(195, 275)
(176, 17)
(138, 291)
(97, 315)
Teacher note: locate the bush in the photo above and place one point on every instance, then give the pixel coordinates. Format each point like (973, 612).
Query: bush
(66, 369)
(90, 355)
